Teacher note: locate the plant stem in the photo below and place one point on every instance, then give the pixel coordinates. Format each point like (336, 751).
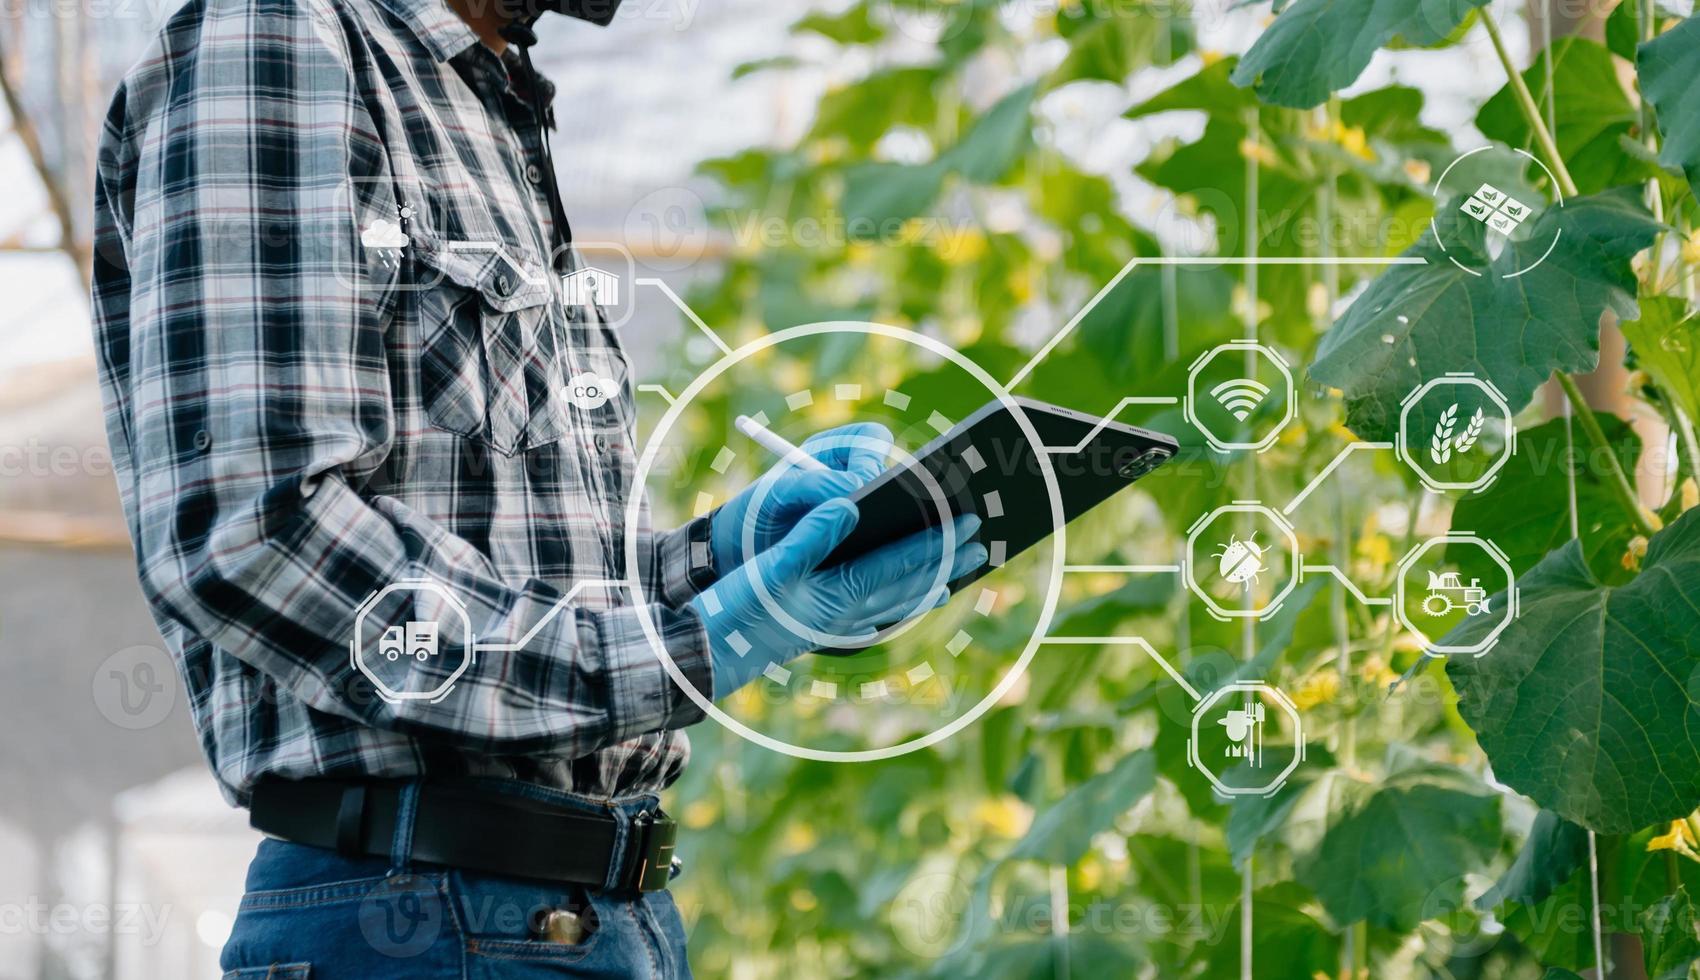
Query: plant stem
(1531, 112)
(1619, 480)
(1525, 100)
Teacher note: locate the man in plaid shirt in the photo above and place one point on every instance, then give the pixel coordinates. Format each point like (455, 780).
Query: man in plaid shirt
(332, 350)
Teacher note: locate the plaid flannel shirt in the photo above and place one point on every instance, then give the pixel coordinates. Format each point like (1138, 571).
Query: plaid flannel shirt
(332, 352)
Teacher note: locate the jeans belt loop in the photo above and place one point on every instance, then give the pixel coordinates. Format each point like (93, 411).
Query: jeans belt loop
(406, 815)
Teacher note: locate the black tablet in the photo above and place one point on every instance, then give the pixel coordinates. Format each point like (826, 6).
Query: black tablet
(987, 465)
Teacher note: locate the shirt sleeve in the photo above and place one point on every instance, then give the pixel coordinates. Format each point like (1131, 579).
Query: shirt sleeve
(241, 332)
(680, 563)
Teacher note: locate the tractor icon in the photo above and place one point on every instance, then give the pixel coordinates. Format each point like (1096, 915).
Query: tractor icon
(417, 640)
(1446, 592)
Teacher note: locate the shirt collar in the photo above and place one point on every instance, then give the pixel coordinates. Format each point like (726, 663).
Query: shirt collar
(439, 28)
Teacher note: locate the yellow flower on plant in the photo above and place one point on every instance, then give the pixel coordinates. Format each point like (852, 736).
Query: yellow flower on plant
(1003, 816)
(1678, 837)
(799, 837)
(1319, 688)
(1376, 549)
(959, 246)
(1261, 152)
(1691, 247)
(699, 813)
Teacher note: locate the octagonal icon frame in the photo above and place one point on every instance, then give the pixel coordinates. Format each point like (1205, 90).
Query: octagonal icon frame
(1290, 410)
(1295, 562)
(1282, 702)
(1511, 597)
(357, 654)
(1402, 443)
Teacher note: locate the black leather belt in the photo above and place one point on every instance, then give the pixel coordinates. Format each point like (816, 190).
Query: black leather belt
(464, 827)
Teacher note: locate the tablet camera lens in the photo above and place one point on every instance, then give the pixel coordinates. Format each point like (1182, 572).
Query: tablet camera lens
(1144, 463)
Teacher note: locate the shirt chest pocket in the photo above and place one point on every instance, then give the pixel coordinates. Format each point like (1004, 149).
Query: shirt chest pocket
(490, 364)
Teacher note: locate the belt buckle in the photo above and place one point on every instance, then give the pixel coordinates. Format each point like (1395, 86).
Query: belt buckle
(654, 851)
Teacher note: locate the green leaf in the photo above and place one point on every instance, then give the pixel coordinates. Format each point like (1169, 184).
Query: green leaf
(1666, 343)
(853, 26)
(1669, 69)
(1108, 42)
(746, 68)
(1594, 113)
(1417, 322)
(1670, 942)
(1209, 90)
(1555, 849)
(996, 140)
(1318, 47)
(1587, 704)
(1061, 834)
(877, 196)
(1390, 853)
(1526, 511)
(1126, 328)
(1287, 940)
(863, 112)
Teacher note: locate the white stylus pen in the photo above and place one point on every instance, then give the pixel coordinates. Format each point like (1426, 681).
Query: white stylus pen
(776, 444)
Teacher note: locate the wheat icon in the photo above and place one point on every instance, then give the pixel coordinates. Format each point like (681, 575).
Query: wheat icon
(1467, 439)
(1441, 444)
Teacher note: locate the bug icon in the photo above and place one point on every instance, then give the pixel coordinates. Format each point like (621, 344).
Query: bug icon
(1240, 561)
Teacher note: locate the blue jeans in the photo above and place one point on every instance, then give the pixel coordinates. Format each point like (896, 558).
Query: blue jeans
(312, 914)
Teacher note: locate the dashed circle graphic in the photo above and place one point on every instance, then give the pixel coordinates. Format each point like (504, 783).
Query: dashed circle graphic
(985, 599)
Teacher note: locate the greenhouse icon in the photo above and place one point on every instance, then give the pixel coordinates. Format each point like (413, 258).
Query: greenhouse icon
(1496, 209)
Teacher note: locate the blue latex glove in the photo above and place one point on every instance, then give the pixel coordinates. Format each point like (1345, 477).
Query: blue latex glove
(824, 608)
(774, 504)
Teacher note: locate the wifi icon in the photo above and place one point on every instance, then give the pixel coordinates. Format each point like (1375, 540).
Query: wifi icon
(1240, 395)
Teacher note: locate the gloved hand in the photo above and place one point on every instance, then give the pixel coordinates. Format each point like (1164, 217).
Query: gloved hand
(854, 454)
(822, 608)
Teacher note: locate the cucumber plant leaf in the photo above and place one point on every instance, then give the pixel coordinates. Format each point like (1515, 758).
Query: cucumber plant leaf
(879, 194)
(1061, 834)
(1669, 69)
(1555, 849)
(1318, 47)
(1389, 853)
(1587, 704)
(1594, 113)
(1666, 343)
(1460, 313)
(1669, 942)
(1526, 511)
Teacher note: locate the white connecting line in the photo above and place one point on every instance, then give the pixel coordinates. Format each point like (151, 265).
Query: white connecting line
(1352, 587)
(686, 310)
(1183, 260)
(554, 611)
(1333, 464)
(1107, 419)
(1126, 569)
(1127, 641)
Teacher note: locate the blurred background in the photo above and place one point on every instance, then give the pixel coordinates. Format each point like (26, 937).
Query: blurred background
(119, 859)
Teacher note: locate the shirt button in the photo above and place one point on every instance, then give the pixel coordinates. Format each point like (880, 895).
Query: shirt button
(203, 440)
(534, 173)
(503, 282)
(601, 443)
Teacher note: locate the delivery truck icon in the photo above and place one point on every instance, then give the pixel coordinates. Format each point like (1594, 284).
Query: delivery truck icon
(417, 640)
